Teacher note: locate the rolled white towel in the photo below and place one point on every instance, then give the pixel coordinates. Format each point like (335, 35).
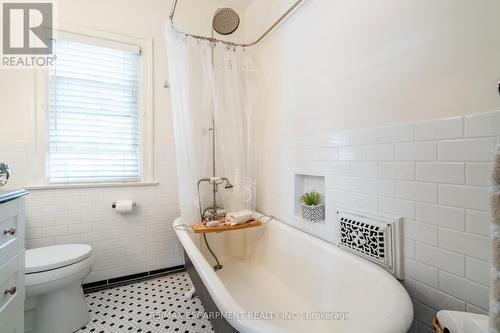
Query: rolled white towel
(235, 218)
(463, 322)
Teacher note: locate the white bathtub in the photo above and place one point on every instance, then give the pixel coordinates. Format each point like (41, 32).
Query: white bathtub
(275, 272)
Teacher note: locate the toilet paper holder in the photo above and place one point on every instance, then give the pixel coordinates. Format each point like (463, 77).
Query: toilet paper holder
(113, 204)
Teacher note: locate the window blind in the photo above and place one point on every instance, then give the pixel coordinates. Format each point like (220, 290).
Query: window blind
(93, 114)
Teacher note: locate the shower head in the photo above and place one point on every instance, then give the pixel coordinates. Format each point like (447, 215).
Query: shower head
(225, 21)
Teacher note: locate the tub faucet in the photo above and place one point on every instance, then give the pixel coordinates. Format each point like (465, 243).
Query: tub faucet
(212, 212)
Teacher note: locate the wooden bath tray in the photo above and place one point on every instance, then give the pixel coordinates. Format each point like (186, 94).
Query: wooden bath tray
(201, 228)
(436, 326)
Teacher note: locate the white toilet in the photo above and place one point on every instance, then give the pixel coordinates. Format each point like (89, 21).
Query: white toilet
(54, 297)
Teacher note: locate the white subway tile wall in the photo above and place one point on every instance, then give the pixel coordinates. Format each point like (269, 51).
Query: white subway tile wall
(123, 244)
(439, 129)
(394, 134)
(480, 149)
(439, 172)
(478, 222)
(487, 124)
(435, 174)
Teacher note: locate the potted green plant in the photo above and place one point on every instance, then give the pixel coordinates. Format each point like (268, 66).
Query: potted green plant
(313, 207)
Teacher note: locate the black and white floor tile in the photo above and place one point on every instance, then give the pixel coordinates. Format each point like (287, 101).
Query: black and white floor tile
(152, 306)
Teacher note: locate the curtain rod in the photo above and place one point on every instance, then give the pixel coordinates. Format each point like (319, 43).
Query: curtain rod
(264, 35)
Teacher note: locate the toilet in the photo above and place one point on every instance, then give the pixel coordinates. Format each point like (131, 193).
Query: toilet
(54, 297)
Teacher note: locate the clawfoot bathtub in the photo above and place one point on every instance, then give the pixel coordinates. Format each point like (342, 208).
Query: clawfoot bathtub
(276, 278)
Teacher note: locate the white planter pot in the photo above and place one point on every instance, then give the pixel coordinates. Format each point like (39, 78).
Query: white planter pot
(313, 214)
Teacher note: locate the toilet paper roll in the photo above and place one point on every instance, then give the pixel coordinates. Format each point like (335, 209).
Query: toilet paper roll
(124, 206)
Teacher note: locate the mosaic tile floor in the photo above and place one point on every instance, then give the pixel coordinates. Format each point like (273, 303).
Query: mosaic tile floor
(152, 306)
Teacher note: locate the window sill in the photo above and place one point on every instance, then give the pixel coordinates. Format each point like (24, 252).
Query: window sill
(90, 185)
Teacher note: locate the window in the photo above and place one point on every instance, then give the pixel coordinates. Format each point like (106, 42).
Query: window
(94, 130)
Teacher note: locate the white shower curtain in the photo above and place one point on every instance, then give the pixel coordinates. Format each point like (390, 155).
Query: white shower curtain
(203, 86)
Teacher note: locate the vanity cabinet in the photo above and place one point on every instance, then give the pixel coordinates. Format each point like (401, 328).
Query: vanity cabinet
(12, 239)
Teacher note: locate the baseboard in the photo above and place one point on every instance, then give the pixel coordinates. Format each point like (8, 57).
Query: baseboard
(114, 282)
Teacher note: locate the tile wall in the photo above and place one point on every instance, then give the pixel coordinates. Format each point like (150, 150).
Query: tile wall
(435, 174)
(123, 244)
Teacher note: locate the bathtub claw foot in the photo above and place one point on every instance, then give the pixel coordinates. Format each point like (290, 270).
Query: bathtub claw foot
(190, 293)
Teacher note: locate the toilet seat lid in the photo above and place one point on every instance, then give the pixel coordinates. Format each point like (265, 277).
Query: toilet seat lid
(52, 257)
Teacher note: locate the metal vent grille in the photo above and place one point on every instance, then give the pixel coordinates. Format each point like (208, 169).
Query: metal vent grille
(373, 237)
(366, 238)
